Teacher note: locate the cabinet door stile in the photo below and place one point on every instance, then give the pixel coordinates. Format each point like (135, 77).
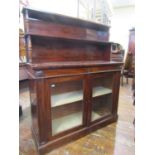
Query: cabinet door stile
(116, 86)
(48, 107)
(87, 99)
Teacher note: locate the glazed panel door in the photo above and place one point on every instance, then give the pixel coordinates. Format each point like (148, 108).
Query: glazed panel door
(102, 86)
(67, 104)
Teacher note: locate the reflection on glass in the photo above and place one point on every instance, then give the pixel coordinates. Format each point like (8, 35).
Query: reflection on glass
(66, 105)
(102, 97)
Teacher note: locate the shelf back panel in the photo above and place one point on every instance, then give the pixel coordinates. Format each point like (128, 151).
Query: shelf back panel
(48, 29)
(47, 50)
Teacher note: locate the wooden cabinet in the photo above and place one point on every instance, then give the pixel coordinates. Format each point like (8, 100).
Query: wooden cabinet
(74, 86)
(128, 70)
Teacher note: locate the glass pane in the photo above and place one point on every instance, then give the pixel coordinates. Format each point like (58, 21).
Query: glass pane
(66, 105)
(102, 97)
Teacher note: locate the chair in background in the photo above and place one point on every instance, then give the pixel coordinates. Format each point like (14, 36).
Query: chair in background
(128, 70)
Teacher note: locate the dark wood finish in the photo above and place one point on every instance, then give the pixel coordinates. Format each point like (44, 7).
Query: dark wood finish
(41, 28)
(99, 65)
(67, 53)
(57, 18)
(116, 87)
(59, 38)
(49, 50)
(128, 70)
(75, 135)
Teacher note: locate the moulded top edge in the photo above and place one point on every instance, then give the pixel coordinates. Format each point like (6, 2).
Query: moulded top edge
(63, 19)
(70, 64)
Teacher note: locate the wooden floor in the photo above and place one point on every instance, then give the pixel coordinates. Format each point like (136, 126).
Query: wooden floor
(114, 139)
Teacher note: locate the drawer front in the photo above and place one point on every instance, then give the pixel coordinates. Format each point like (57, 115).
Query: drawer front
(79, 71)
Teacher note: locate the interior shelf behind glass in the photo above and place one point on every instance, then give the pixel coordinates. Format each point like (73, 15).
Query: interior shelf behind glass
(69, 121)
(70, 97)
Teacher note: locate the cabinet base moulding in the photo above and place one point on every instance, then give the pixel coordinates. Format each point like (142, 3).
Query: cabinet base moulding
(51, 145)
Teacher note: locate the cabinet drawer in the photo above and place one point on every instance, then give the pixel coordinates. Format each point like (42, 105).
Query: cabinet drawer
(65, 72)
(104, 69)
(78, 71)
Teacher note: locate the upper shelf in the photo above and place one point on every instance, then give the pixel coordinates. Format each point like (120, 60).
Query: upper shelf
(57, 30)
(45, 24)
(57, 38)
(57, 18)
(68, 39)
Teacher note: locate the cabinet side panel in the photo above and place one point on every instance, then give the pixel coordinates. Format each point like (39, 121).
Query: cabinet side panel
(116, 86)
(43, 111)
(34, 106)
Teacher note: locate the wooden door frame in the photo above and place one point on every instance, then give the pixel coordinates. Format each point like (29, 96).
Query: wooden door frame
(48, 82)
(115, 89)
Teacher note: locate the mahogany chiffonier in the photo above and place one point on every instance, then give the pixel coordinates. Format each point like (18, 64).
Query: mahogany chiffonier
(74, 87)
